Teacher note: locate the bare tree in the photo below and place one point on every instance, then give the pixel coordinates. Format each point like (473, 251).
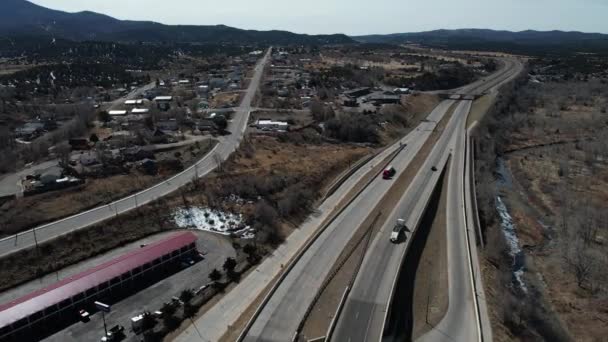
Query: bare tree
(63, 154)
(219, 162)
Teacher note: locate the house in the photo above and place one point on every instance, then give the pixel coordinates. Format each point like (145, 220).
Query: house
(30, 130)
(271, 125)
(49, 175)
(217, 83)
(138, 102)
(349, 102)
(140, 111)
(203, 89)
(163, 99)
(206, 125)
(114, 113)
(134, 154)
(168, 126)
(85, 158)
(384, 99)
(401, 91)
(358, 92)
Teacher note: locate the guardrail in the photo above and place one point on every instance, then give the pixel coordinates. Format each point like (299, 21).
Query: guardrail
(346, 174)
(334, 320)
(301, 252)
(468, 240)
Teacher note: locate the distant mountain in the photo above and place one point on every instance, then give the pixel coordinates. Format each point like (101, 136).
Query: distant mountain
(21, 17)
(482, 39)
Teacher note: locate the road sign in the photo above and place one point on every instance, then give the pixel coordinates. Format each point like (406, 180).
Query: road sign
(102, 307)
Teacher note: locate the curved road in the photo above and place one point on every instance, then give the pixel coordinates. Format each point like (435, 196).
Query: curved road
(281, 316)
(365, 312)
(226, 146)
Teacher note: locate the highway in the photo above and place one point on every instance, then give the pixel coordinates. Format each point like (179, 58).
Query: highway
(365, 309)
(226, 146)
(460, 322)
(280, 317)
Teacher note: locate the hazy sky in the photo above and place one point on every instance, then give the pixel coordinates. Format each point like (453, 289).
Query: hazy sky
(357, 16)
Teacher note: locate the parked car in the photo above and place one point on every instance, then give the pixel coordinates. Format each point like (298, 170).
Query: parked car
(84, 315)
(116, 333)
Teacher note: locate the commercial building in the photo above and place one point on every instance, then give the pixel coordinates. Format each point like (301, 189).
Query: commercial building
(45, 311)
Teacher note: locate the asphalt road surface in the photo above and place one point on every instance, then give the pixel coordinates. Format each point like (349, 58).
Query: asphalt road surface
(365, 312)
(281, 316)
(363, 316)
(226, 146)
(460, 322)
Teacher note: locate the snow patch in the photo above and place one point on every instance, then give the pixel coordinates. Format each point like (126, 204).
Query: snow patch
(508, 230)
(213, 221)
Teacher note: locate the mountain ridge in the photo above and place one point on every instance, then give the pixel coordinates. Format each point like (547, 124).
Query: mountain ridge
(21, 17)
(526, 41)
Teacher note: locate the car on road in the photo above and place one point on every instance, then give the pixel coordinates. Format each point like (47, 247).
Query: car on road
(389, 172)
(434, 169)
(398, 231)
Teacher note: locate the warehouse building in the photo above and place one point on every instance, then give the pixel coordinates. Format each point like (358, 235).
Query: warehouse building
(48, 310)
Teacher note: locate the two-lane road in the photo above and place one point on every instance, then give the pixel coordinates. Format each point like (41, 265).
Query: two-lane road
(226, 146)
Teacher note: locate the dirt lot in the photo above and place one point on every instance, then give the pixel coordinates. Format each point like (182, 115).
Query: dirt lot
(28, 212)
(223, 100)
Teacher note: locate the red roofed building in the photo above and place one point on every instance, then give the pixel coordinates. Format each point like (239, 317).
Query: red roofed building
(112, 279)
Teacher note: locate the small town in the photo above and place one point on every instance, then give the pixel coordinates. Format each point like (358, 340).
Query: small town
(245, 172)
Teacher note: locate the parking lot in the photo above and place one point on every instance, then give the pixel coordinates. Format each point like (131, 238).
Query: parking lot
(215, 249)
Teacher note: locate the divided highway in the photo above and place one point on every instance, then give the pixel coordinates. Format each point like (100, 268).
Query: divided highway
(367, 308)
(280, 317)
(225, 147)
(365, 311)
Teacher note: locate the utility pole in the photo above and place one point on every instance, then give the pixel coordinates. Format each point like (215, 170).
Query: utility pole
(36, 240)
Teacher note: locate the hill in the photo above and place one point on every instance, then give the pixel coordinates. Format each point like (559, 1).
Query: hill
(21, 17)
(526, 42)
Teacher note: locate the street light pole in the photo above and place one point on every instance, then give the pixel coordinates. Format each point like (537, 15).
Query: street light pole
(105, 328)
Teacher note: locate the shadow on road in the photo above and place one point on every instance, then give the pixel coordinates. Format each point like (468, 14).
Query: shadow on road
(400, 321)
